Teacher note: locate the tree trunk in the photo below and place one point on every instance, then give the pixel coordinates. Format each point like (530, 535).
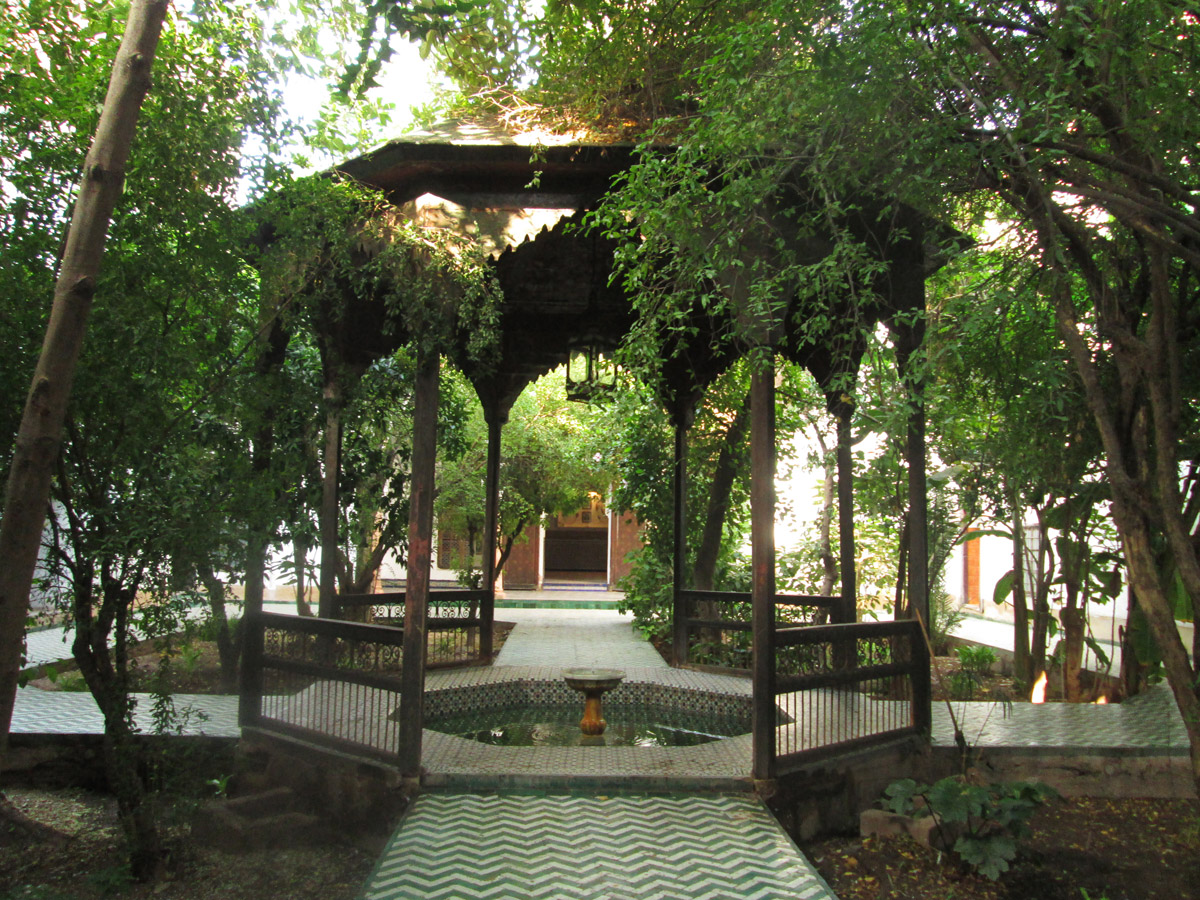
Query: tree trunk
(104, 668)
(508, 542)
(227, 648)
(900, 604)
(1133, 671)
(1041, 603)
(724, 475)
(27, 495)
(1139, 556)
(1136, 515)
(330, 501)
(1022, 664)
(1073, 624)
(825, 526)
(300, 546)
(705, 567)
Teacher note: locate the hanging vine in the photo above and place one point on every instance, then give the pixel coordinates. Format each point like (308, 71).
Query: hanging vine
(329, 243)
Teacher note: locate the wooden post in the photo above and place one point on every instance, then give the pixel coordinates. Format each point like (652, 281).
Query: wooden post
(909, 337)
(487, 609)
(845, 466)
(681, 417)
(260, 527)
(420, 552)
(762, 593)
(918, 521)
(922, 683)
(251, 687)
(330, 505)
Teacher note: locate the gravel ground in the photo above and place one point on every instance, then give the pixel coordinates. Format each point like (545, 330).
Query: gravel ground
(87, 861)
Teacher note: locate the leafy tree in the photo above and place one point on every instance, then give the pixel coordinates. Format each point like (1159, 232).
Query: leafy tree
(1010, 420)
(1075, 119)
(333, 252)
(130, 485)
(717, 503)
(40, 431)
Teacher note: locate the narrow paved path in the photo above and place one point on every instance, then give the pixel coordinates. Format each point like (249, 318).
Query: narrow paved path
(571, 847)
(575, 637)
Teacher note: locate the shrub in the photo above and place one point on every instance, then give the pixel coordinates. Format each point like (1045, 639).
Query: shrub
(981, 823)
(976, 660)
(944, 617)
(962, 685)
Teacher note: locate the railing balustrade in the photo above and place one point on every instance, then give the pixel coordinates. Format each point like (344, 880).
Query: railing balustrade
(722, 639)
(323, 680)
(846, 686)
(338, 682)
(453, 621)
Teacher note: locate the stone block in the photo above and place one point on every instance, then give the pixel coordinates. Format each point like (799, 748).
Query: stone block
(882, 823)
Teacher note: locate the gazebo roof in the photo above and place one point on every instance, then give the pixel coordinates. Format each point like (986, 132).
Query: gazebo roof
(519, 193)
(490, 166)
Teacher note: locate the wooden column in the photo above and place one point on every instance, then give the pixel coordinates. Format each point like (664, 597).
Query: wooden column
(491, 514)
(909, 336)
(330, 505)
(845, 466)
(679, 609)
(420, 552)
(918, 512)
(762, 593)
(258, 533)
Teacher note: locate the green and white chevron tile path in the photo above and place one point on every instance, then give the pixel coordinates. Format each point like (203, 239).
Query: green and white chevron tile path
(568, 847)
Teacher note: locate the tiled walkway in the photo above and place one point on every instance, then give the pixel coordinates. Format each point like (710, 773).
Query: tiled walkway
(575, 637)
(572, 847)
(75, 712)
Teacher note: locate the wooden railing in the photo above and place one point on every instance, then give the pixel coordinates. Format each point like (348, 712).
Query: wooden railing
(843, 687)
(322, 680)
(454, 622)
(338, 683)
(723, 641)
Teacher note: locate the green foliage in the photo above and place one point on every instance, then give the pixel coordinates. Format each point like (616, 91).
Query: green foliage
(944, 616)
(962, 685)
(637, 443)
(335, 241)
(549, 461)
(984, 823)
(647, 593)
(67, 681)
(977, 660)
(32, 892)
(112, 881)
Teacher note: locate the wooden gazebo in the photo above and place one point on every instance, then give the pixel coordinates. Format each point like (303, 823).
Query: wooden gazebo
(558, 294)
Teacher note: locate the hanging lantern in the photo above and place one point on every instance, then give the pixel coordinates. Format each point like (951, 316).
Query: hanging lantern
(591, 373)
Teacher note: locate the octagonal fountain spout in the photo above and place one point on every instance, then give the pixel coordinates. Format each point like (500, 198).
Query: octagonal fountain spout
(593, 684)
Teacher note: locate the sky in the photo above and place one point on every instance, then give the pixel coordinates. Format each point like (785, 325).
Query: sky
(407, 81)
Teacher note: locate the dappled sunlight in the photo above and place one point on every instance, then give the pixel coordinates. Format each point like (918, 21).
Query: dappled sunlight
(1038, 694)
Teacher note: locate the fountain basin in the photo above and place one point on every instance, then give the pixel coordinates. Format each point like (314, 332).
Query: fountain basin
(529, 712)
(584, 680)
(558, 726)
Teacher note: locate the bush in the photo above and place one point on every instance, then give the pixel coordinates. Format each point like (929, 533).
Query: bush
(982, 824)
(944, 617)
(976, 660)
(648, 593)
(962, 685)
